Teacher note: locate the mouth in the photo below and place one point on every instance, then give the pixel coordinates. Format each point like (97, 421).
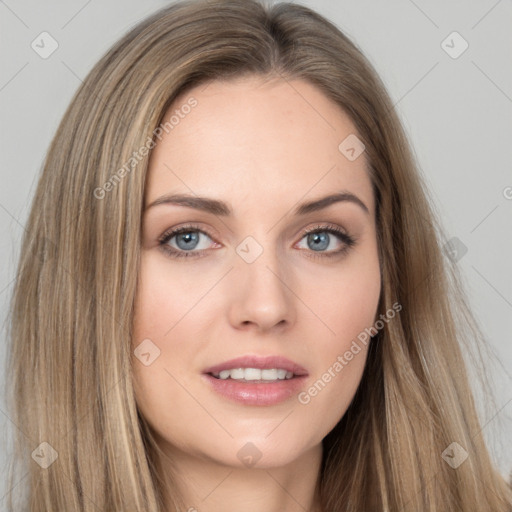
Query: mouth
(254, 374)
(254, 380)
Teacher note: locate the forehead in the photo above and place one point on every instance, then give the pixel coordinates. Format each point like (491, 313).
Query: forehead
(254, 142)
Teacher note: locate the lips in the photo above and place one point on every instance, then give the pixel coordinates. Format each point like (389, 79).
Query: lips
(260, 362)
(256, 392)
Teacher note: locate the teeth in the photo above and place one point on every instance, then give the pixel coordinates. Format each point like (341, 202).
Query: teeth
(270, 374)
(237, 373)
(252, 374)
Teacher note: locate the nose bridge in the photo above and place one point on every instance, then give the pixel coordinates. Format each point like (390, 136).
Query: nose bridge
(260, 264)
(262, 294)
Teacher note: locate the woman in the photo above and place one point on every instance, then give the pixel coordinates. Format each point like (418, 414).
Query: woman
(232, 293)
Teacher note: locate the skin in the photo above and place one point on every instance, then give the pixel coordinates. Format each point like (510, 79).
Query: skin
(261, 146)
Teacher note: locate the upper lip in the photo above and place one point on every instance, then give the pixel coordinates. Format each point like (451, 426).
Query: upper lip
(261, 362)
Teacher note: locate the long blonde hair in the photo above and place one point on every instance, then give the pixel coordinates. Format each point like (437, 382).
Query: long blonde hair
(70, 377)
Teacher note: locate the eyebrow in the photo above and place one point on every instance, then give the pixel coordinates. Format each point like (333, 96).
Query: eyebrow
(217, 207)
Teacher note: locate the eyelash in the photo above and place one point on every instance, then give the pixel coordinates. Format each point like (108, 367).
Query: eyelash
(348, 240)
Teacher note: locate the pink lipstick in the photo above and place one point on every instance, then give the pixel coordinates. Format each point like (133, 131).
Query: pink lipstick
(256, 380)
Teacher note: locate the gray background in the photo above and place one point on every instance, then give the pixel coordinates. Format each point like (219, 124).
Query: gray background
(457, 112)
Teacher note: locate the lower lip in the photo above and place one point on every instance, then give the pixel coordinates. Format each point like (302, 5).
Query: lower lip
(256, 393)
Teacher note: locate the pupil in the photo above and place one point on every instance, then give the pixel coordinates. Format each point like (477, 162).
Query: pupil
(320, 241)
(190, 239)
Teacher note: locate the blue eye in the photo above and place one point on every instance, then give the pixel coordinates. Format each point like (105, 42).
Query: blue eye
(187, 238)
(321, 238)
(191, 241)
(319, 241)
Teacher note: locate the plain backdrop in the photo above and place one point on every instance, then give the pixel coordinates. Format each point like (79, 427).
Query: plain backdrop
(453, 93)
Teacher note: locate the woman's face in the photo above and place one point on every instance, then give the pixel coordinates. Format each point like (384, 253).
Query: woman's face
(251, 162)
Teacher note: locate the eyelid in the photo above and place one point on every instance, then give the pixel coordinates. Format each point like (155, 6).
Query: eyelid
(338, 231)
(169, 233)
(326, 226)
(342, 234)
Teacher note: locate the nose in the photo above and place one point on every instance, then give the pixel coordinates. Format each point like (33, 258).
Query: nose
(261, 295)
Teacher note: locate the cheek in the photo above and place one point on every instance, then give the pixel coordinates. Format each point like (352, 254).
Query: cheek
(164, 298)
(161, 296)
(161, 326)
(168, 293)
(346, 303)
(343, 300)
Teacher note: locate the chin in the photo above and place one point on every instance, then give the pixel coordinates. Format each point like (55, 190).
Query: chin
(259, 452)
